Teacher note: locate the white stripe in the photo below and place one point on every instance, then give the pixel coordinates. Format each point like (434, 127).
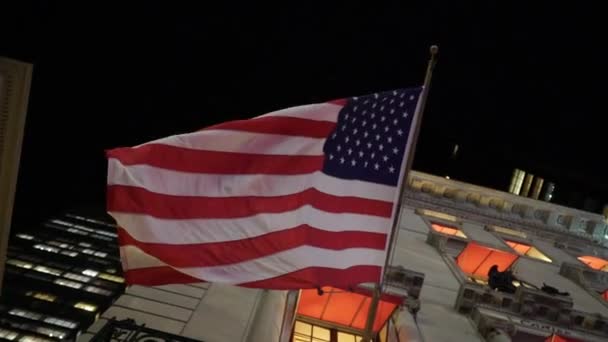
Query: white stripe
(245, 142)
(319, 111)
(178, 183)
(165, 231)
(266, 267)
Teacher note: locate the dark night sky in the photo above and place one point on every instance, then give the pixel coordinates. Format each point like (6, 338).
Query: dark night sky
(518, 84)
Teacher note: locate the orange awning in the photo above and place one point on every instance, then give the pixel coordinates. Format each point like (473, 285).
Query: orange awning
(520, 248)
(346, 308)
(594, 262)
(555, 338)
(447, 230)
(476, 259)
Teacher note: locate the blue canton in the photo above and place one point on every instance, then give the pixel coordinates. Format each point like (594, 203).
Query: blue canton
(370, 137)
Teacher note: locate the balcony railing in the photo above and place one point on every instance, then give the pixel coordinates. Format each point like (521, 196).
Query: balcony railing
(129, 331)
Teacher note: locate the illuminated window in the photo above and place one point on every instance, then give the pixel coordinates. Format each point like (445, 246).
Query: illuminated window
(51, 332)
(86, 306)
(42, 296)
(78, 277)
(448, 230)
(90, 273)
(527, 250)
(509, 231)
(29, 338)
(68, 283)
(8, 334)
(25, 236)
(25, 314)
(84, 244)
(88, 251)
(19, 263)
(47, 270)
(304, 332)
(46, 248)
(95, 289)
(62, 223)
(100, 254)
(111, 277)
(76, 231)
(346, 337)
(595, 262)
(61, 322)
(436, 214)
(69, 253)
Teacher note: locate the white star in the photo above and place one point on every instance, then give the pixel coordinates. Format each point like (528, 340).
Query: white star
(355, 108)
(400, 132)
(353, 120)
(341, 160)
(392, 110)
(389, 139)
(364, 111)
(385, 158)
(381, 147)
(384, 99)
(350, 151)
(355, 131)
(395, 122)
(392, 101)
(402, 95)
(376, 166)
(412, 97)
(353, 162)
(374, 126)
(344, 128)
(346, 116)
(358, 142)
(361, 154)
(333, 136)
(395, 150)
(377, 136)
(376, 95)
(394, 93)
(401, 104)
(386, 128)
(364, 123)
(338, 148)
(369, 145)
(365, 134)
(382, 118)
(346, 139)
(374, 105)
(373, 155)
(331, 157)
(365, 164)
(367, 101)
(405, 114)
(373, 115)
(391, 169)
(381, 108)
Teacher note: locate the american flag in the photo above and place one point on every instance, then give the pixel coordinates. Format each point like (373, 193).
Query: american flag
(298, 198)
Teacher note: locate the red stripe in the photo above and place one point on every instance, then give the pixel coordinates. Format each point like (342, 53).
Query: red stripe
(200, 161)
(311, 277)
(231, 252)
(340, 102)
(280, 125)
(130, 199)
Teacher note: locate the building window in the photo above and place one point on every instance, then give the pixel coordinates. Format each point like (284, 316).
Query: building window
(78, 277)
(112, 278)
(84, 244)
(25, 314)
(527, 250)
(68, 283)
(95, 289)
(29, 338)
(90, 273)
(306, 332)
(47, 270)
(19, 263)
(8, 334)
(86, 306)
(452, 231)
(508, 231)
(61, 322)
(69, 253)
(51, 332)
(25, 237)
(42, 296)
(46, 248)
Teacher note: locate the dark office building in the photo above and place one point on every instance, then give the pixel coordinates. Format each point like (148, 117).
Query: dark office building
(59, 278)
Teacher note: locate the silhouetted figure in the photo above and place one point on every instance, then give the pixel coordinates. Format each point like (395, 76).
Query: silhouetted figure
(501, 281)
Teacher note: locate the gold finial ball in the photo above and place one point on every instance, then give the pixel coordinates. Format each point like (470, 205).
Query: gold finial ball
(434, 49)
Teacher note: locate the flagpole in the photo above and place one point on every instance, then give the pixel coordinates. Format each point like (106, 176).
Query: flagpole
(417, 120)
